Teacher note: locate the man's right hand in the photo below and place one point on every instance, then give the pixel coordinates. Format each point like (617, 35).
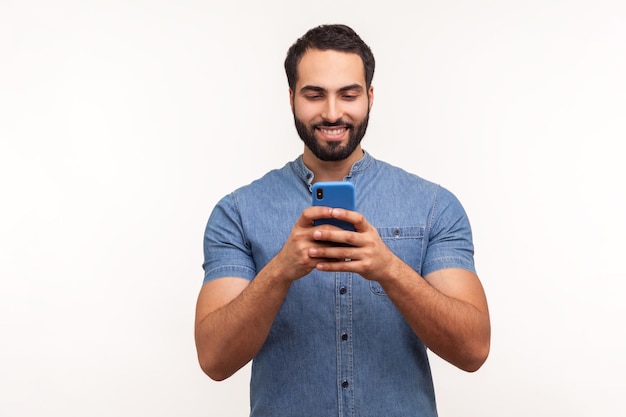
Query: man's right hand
(293, 261)
(234, 315)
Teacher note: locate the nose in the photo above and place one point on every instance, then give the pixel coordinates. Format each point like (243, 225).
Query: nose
(332, 110)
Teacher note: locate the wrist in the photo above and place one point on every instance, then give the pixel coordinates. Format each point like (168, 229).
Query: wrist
(393, 271)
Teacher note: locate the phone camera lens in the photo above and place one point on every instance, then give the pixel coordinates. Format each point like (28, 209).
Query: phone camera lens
(319, 193)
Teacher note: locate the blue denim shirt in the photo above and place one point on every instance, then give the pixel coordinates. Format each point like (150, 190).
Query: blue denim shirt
(339, 346)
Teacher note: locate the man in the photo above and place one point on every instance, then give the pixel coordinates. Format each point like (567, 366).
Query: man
(338, 322)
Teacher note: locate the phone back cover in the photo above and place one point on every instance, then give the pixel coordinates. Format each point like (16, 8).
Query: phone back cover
(336, 194)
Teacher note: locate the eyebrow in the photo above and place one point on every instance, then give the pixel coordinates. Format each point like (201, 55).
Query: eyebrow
(351, 87)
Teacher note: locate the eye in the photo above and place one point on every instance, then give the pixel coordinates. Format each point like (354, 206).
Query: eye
(350, 96)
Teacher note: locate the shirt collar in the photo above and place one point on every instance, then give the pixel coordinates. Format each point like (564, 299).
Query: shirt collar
(307, 175)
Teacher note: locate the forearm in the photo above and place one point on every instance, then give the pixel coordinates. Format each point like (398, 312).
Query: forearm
(233, 322)
(230, 336)
(447, 309)
(456, 330)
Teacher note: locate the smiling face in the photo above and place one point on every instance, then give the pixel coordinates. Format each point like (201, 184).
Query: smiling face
(331, 104)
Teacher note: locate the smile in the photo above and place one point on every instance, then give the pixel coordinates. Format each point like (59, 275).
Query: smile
(334, 131)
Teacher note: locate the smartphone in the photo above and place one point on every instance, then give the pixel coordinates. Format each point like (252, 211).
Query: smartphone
(335, 194)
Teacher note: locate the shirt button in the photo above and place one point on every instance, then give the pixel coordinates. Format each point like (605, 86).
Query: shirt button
(344, 337)
(345, 384)
(343, 290)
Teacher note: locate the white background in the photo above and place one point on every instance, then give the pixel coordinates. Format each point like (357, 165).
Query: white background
(123, 122)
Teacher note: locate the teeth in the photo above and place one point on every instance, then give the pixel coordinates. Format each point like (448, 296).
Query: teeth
(332, 131)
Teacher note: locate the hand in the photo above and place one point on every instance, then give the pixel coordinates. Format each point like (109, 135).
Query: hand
(293, 261)
(366, 253)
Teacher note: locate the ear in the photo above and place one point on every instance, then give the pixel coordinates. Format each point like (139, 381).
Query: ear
(291, 99)
(370, 96)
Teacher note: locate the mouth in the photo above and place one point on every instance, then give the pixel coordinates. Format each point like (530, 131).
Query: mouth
(333, 133)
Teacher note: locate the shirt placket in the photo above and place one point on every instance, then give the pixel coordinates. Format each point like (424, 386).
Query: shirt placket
(345, 357)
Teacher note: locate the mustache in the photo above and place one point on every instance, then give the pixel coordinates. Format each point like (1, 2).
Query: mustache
(337, 123)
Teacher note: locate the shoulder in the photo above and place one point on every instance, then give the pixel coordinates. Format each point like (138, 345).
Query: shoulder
(398, 173)
(280, 190)
(404, 180)
(408, 188)
(260, 187)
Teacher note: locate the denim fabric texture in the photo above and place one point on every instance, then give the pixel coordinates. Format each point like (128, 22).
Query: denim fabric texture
(339, 346)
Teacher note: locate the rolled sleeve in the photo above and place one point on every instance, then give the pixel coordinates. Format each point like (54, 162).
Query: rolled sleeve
(450, 236)
(226, 251)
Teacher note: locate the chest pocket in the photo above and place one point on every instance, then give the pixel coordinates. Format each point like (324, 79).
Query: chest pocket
(407, 243)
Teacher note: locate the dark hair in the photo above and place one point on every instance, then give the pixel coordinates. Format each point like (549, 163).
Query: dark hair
(334, 37)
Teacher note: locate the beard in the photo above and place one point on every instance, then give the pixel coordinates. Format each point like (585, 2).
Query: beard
(332, 151)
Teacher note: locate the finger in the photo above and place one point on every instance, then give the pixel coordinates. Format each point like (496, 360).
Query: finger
(356, 218)
(313, 213)
(335, 253)
(337, 235)
(340, 265)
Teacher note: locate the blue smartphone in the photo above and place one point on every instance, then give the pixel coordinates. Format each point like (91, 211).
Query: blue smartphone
(335, 194)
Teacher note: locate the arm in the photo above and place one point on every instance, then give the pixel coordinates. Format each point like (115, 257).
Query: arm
(233, 319)
(234, 316)
(447, 309)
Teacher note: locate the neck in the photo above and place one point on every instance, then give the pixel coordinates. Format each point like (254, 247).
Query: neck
(330, 170)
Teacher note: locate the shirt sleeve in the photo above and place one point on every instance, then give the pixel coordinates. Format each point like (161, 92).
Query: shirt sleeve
(449, 235)
(226, 251)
